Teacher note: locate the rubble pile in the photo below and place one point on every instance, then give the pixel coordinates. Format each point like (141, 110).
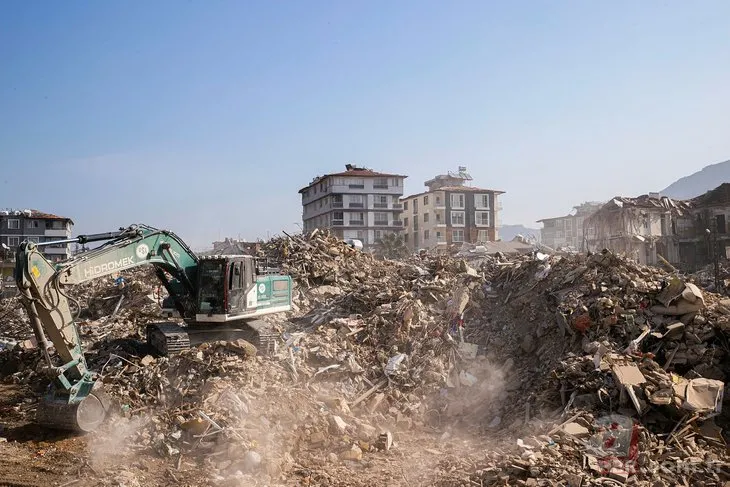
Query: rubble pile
(705, 278)
(378, 321)
(573, 369)
(628, 360)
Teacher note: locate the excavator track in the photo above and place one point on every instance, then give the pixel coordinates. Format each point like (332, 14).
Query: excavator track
(169, 338)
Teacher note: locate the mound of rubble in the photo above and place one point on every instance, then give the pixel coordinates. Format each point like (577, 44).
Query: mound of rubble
(579, 370)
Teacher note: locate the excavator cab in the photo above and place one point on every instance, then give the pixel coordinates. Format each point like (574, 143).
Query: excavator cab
(232, 292)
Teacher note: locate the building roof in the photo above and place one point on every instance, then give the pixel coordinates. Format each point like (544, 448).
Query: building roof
(354, 171)
(34, 214)
(459, 189)
(717, 196)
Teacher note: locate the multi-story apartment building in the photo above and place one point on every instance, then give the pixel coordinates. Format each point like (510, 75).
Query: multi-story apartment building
(450, 212)
(567, 231)
(358, 203)
(19, 225)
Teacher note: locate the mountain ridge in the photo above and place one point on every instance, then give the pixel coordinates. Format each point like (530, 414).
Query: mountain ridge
(700, 182)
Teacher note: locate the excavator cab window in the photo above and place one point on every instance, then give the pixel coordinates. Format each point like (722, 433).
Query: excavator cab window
(212, 282)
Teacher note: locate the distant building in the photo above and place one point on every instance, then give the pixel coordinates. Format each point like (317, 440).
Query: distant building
(689, 234)
(358, 203)
(641, 228)
(450, 213)
(17, 226)
(231, 246)
(567, 231)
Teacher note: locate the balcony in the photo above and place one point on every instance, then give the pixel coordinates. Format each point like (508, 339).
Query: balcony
(337, 223)
(357, 223)
(380, 205)
(397, 223)
(356, 186)
(380, 186)
(337, 204)
(381, 223)
(397, 206)
(356, 205)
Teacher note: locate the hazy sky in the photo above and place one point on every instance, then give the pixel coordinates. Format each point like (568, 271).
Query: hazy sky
(206, 117)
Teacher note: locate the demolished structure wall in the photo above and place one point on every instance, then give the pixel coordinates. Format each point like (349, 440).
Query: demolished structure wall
(642, 228)
(686, 233)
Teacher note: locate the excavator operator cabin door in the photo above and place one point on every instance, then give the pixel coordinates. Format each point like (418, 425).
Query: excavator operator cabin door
(236, 282)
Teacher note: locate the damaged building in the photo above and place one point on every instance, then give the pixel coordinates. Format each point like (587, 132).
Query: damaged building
(703, 234)
(566, 232)
(642, 228)
(689, 234)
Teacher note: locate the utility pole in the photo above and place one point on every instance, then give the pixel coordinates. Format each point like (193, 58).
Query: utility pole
(713, 253)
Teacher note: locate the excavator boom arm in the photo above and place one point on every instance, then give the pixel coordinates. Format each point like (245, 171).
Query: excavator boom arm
(41, 285)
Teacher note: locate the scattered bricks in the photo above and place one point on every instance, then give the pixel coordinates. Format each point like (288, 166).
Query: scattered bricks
(353, 454)
(574, 429)
(337, 425)
(674, 331)
(375, 402)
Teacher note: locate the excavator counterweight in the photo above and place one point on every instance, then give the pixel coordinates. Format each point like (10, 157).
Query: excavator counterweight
(217, 297)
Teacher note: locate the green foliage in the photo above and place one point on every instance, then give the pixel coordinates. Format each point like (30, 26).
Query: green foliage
(391, 246)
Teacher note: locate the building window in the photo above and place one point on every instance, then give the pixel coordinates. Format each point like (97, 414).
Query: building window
(32, 224)
(405, 238)
(356, 201)
(457, 218)
(438, 200)
(457, 236)
(482, 236)
(425, 218)
(360, 235)
(426, 234)
(720, 224)
(356, 183)
(380, 201)
(13, 241)
(457, 200)
(439, 237)
(321, 202)
(14, 225)
(337, 201)
(395, 182)
(415, 206)
(482, 218)
(378, 235)
(405, 205)
(381, 218)
(481, 201)
(380, 183)
(425, 200)
(438, 217)
(33, 239)
(405, 222)
(357, 218)
(338, 218)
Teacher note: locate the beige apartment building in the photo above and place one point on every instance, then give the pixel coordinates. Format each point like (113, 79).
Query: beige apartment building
(450, 213)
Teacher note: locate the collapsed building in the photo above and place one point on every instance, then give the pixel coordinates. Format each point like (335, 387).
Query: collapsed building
(654, 229)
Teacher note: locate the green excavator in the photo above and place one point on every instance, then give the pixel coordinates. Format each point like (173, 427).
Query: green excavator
(216, 297)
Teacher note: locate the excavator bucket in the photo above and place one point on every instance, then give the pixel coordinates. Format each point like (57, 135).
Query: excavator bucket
(83, 416)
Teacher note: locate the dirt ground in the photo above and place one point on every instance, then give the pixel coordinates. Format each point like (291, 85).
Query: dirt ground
(32, 456)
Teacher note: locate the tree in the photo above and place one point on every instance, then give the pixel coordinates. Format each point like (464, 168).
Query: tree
(391, 246)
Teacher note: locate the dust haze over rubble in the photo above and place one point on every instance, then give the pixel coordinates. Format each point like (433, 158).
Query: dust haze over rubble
(430, 371)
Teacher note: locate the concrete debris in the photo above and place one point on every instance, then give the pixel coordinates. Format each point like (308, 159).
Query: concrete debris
(604, 369)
